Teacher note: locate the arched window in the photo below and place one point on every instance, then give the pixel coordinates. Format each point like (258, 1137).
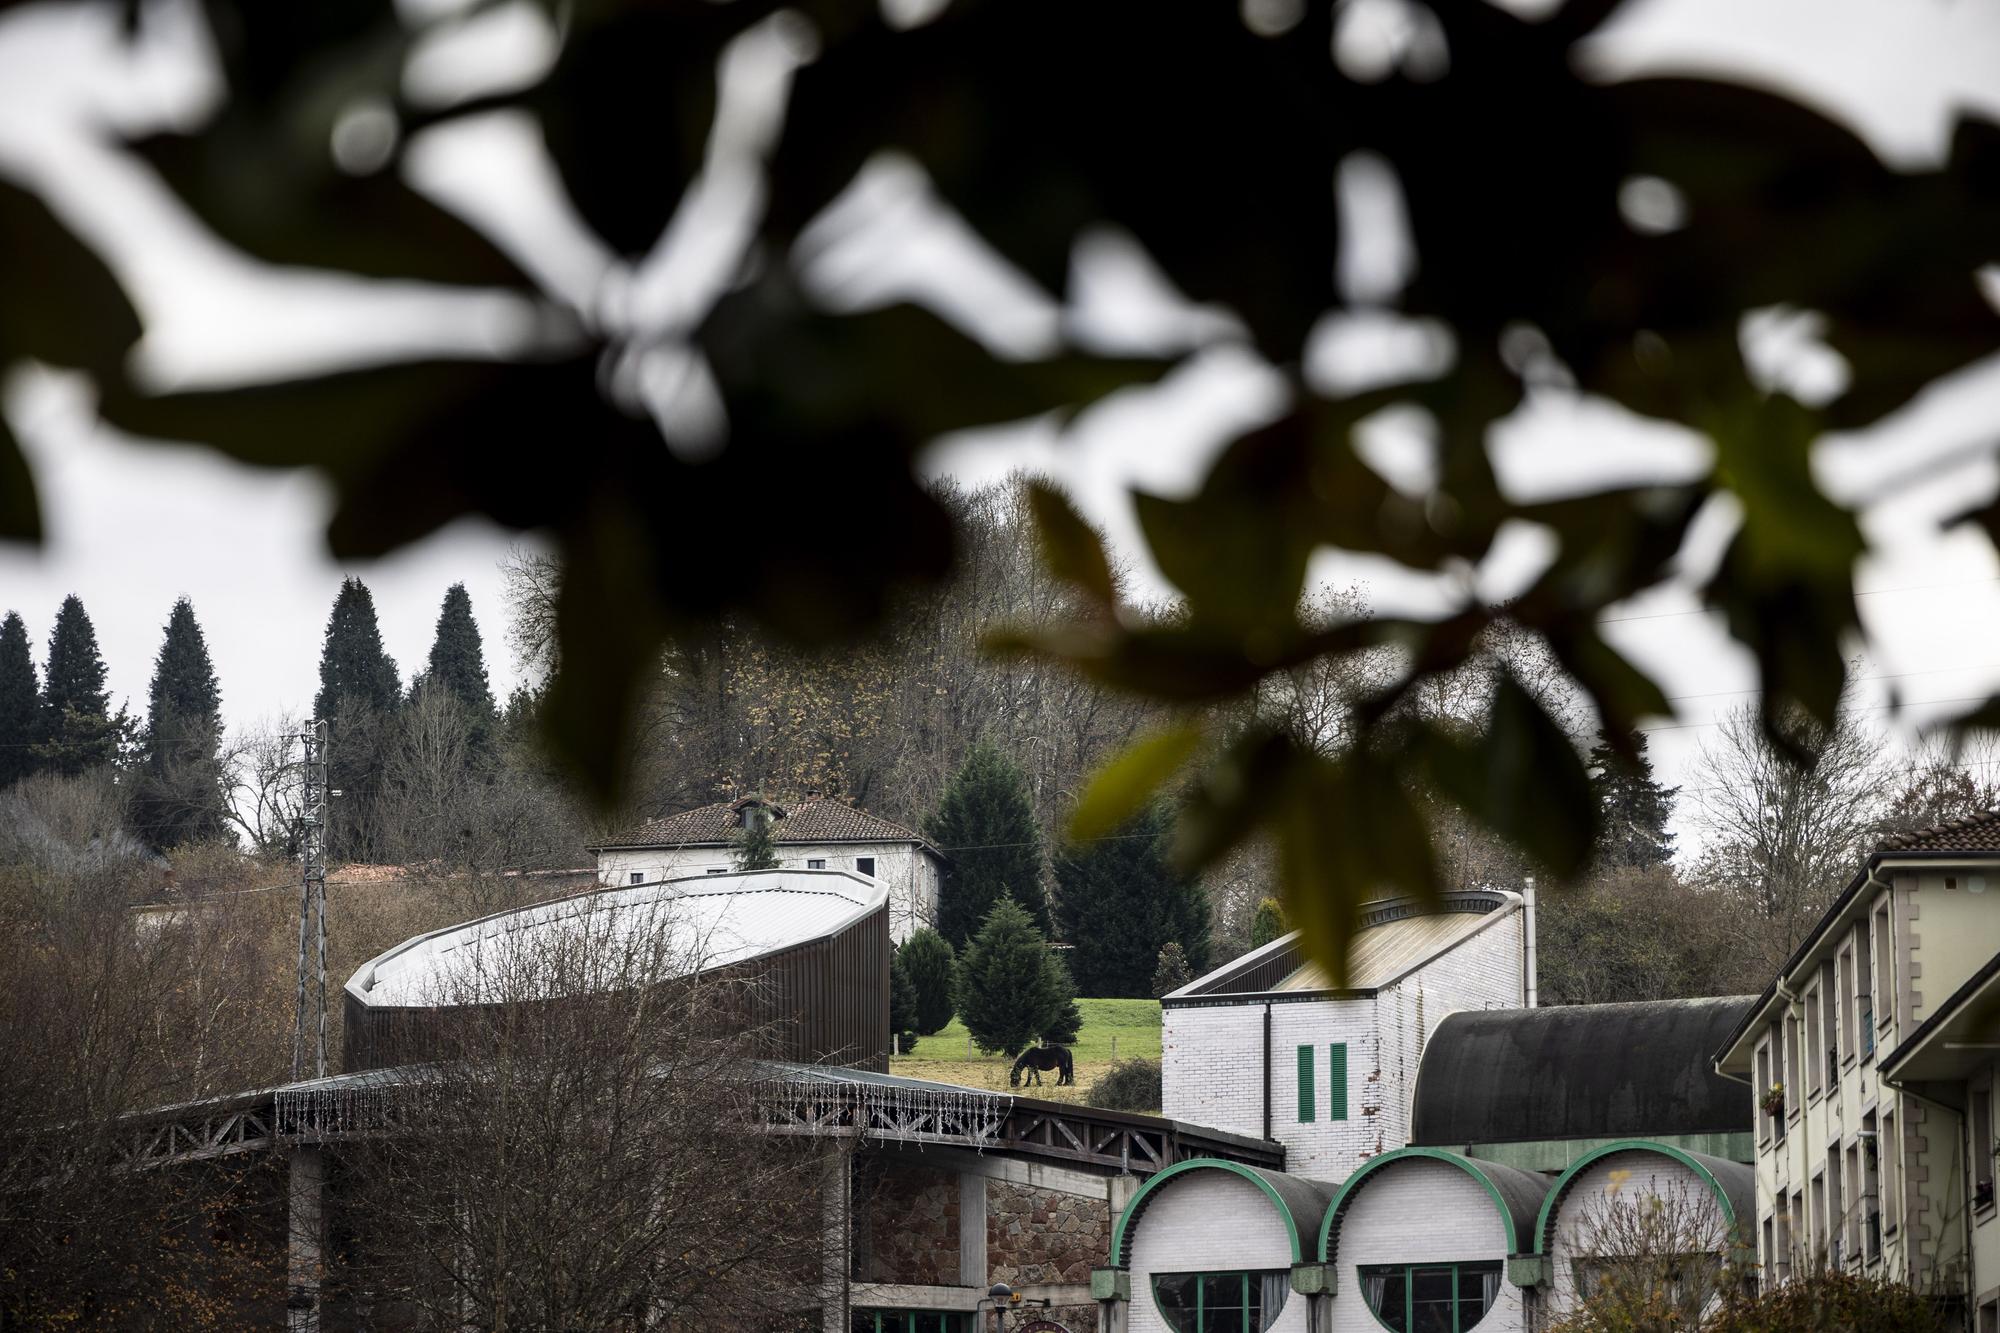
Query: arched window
(1430, 1298)
(1238, 1302)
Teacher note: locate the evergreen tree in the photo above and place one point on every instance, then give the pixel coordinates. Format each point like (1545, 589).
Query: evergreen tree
(1121, 899)
(931, 964)
(82, 732)
(180, 797)
(1269, 923)
(986, 825)
(21, 718)
(1632, 808)
(1171, 972)
(1011, 990)
(756, 845)
(359, 691)
(458, 664)
(902, 1003)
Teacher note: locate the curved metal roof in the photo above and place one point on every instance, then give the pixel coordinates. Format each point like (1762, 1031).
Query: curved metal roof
(705, 921)
(1628, 1071)
(1517, 1195)
(1299, 1203)
(1734, 1184)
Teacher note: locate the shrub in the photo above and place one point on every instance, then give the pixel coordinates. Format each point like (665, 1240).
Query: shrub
(902, 1002)
(1129, 1085)
(931, 963)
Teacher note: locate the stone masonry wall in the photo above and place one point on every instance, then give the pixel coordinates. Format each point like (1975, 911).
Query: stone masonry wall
(906, 1223)
(1039, 1235)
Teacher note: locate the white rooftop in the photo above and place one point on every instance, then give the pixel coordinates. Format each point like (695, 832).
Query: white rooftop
(704, 921)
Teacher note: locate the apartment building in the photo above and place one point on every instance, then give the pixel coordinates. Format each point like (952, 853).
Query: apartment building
(1870, 1063)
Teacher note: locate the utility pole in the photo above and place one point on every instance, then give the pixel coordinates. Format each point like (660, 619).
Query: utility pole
(312, 896)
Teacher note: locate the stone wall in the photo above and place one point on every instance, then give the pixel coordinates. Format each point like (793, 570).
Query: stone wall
(906, 1223)
(1042, 1235)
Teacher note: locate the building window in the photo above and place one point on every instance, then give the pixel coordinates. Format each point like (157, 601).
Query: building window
(638, 877)
(1336, 1076)
(1306, 1115)
(718, 870)
(1830, 1016)
(1814, 1061)
(816, 863)
(1885, 968)
(1847, 1042)
(905, 1321)
(1430, 1298)
(1871, 1188)
(1982, 1147)
(866, 865)
(1221, 1302)
(1891, 1207)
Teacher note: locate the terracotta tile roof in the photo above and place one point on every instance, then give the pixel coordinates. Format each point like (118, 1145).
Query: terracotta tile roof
(1973, 833)
(820, 819)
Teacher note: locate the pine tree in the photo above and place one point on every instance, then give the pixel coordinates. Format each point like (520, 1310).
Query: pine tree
(902, 1003)
(986, 825)
(82, 732)
(1121, 899)
(359, 692)
(1171, 972)
(1632, 807)
(458, 664)
(1011, 990)
(756, 844)
(931, 963)
(21, 718)
(180, 798)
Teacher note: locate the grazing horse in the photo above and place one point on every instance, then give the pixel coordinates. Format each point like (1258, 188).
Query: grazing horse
(1038, 1058)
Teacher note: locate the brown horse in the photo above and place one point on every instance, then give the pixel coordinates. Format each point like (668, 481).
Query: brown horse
(1037, 1059)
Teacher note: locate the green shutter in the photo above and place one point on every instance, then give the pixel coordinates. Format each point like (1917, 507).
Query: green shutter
(1305, 1085)
(1336, 1073)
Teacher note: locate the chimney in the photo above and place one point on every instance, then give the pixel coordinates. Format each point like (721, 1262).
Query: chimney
(1528, 944)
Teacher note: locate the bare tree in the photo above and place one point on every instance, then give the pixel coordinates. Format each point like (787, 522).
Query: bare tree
(262, 787)
(1939, 781)
(1781, 839)
(582, 1146)
(1649, 1261)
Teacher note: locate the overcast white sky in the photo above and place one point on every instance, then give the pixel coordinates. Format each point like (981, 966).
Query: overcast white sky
(134, 526)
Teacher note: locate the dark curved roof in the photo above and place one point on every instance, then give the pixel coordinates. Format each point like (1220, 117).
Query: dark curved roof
(1300, 1203)
(1517, 1194)
(1596, 1071)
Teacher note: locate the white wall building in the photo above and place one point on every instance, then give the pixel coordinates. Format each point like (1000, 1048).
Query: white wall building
(1266, 1046)
(817, 834)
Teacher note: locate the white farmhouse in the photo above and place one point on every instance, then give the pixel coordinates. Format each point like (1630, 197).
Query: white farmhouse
(1267, 1046)
(816, 834)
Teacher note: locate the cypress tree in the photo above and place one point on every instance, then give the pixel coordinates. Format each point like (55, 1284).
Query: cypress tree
(902, 1004)
(1632, 808)
(180, 796)
(20, 703)
(1121, 900)
(932, 965)
(1011, 990)
(458, 663)
(986, 825)
(1171, 972)
(756, 845)
(1269, 923)
(81, 731)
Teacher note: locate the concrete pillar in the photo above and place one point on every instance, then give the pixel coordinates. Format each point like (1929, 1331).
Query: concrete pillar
(971, 1230)
(836, 1233)
(305, 1248)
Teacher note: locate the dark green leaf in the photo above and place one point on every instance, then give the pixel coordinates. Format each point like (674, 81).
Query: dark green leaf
(20, 513)
(1123, 785)
(1071, 548)
(58, 301)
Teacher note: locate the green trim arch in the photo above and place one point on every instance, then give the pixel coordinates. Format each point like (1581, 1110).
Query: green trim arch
(1120, 1233)
(1545, 1222)
(1374, 1164)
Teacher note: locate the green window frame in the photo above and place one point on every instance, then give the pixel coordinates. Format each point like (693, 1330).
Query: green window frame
(1228, 1301)
(1401, 1306)
(1336, 1075)
(1306, 1112)
(905, 1321)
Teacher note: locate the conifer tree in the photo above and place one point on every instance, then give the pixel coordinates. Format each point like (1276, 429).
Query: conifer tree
(1121, 899)
(756, 844)
(458, 664)
(82, 732)
(359, 691)
(1632, 807)
(1171, 972)
(1011, 990)
(21, 718)
(902, 1003)
(1269, 923)
(180, 797)
(932, 966)
(986, 825)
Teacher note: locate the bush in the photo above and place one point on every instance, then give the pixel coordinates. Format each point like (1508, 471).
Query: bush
(1829, 1301)
(1171, 972)
(902, 1002)
(1129, 1085)
(931, 963)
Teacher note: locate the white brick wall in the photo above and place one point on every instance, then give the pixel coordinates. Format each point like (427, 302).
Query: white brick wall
(1213, 1057)
(1208, 1221)
(1628, 1180)
(1418, 1210)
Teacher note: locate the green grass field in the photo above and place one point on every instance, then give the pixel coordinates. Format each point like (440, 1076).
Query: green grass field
(1133, 1024)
